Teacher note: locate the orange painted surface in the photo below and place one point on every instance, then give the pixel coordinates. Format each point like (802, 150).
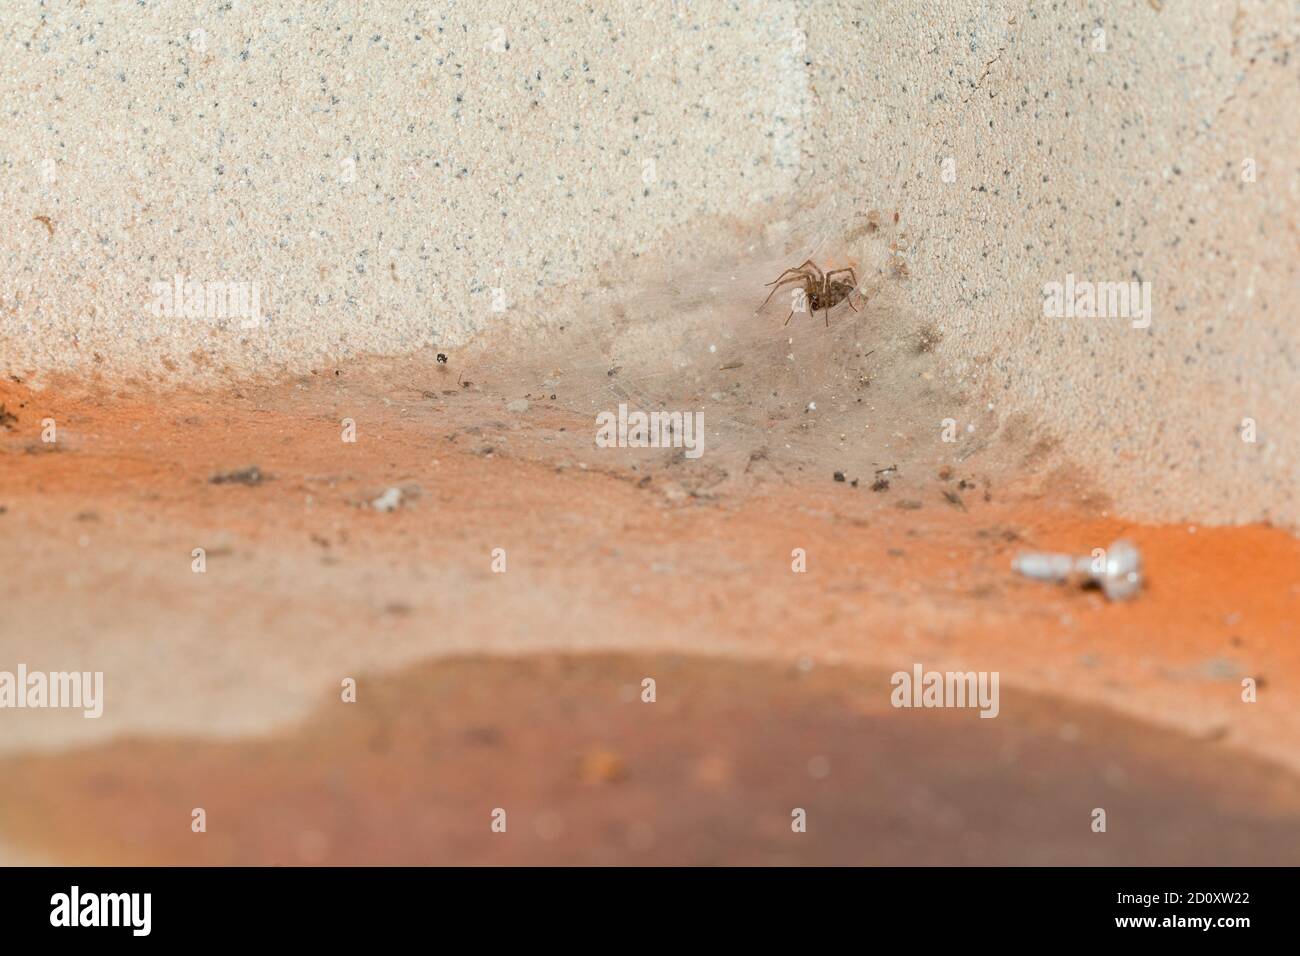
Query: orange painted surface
(642, 569)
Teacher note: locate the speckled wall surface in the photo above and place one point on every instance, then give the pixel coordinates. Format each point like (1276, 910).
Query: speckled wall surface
(378, 170)
(1139, 140)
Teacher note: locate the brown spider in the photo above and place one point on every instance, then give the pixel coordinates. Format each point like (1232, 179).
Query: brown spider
(821, 289)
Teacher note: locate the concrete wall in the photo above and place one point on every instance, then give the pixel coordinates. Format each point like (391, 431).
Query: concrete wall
(378, 169)
(1120, 141)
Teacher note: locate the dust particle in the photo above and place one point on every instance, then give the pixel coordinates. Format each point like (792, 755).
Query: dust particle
(927, 339)
(250, 476)
(602, 766)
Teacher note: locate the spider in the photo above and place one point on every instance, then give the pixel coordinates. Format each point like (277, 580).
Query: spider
(821, 289)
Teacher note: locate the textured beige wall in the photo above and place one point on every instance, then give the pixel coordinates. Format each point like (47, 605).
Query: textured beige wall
(1113, 164)
(379, 168)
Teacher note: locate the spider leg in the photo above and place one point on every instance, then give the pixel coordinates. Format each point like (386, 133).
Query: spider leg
(785, 278)
(807, 263)
(852, 275)
(797, 272)
(779, 283)
(830, 277)
(788, 318)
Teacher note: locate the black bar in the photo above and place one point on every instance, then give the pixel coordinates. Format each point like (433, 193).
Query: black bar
(329, 906)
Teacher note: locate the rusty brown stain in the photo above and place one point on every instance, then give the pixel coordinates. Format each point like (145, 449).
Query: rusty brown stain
(709, 773)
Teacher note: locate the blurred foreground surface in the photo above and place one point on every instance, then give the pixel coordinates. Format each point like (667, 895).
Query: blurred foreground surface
(521, 690)
(710, 773)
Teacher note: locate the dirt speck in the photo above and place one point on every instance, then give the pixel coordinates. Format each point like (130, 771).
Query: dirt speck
(927, 339)
(601, 766)
(251, 476)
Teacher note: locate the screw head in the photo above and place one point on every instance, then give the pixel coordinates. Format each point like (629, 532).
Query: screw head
(1122, 577)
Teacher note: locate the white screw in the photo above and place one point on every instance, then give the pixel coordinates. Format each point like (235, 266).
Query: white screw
(1120, 575)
